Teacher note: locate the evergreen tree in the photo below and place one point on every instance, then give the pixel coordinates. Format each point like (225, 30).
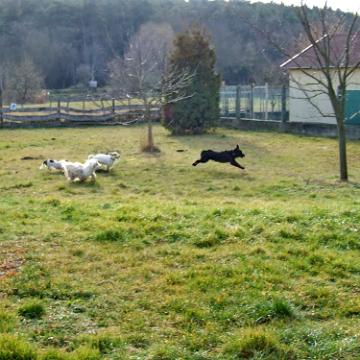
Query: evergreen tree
(199, 111)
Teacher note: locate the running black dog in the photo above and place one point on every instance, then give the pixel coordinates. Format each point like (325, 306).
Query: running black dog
(228, 156)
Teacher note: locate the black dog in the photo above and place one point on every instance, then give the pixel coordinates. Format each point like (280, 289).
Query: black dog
(222, 157)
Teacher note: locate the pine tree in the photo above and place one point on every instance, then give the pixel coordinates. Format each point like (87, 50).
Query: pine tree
(199, 111)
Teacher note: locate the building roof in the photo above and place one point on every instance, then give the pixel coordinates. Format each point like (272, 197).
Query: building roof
(336, 45)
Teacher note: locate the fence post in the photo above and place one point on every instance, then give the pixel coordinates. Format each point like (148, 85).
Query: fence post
(252, 101)
(1, 108)
(283, 103)
(226, 105)
(238, 104)
(58, 110)
(113, 105)
(266, 101)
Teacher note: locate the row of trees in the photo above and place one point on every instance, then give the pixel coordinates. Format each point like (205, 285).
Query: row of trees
(69, 42)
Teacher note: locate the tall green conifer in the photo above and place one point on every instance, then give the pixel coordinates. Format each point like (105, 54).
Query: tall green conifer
(200, 110)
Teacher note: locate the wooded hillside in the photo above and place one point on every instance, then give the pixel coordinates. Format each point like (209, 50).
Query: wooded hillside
(71, 41)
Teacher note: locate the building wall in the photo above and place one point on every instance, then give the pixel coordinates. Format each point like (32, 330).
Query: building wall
(303, 87)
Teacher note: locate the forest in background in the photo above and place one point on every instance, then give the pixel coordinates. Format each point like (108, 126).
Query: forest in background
(69, 42)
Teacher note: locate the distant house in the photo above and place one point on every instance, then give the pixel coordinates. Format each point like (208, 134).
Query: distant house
(308, 102)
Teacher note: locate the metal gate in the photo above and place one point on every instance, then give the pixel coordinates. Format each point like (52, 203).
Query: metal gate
(352, 107)
(254, 102)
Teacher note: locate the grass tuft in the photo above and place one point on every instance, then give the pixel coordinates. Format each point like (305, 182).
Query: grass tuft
(256, 343)
(12, 348)
(110, 235)
(32, 309)
(276, 309)
(7, 321)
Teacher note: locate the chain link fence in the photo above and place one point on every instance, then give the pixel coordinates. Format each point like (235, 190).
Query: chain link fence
(254, 102)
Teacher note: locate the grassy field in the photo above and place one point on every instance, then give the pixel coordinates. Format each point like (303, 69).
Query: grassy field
(161, 260)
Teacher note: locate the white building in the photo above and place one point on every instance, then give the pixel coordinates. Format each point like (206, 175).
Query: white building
(307, 100)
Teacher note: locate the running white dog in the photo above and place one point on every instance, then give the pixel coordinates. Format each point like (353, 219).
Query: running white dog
(80, 172)
(51, 164)
(107, 160)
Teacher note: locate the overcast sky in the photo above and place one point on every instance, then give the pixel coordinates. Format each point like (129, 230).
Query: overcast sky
(345, 5)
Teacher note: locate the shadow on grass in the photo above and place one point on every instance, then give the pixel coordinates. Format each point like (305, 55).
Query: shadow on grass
(217, 141)
(70, 187)
(196, 141)
(85, 184)
(235, 175)
(105, 173)
(355, 185)
(57, 173)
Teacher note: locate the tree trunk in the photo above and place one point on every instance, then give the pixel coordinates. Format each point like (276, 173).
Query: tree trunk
(150, 137)
(342, 151)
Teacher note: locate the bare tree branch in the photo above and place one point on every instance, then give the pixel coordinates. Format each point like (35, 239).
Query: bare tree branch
(328, 64)
(144, 71)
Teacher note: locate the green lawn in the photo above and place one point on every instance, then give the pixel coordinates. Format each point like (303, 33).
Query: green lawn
(161, 260)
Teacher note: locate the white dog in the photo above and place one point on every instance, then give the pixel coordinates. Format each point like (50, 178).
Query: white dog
(80, 172)
(54, 164)
(107, 160)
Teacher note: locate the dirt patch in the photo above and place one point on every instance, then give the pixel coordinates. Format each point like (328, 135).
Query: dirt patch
(11, 263)
(32, 157)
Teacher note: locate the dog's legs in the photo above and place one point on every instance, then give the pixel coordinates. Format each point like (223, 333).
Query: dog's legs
(202, 160)
(236, 164)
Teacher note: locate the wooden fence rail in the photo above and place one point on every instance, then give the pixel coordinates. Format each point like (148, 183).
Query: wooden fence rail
(120, 114)
(29, 109)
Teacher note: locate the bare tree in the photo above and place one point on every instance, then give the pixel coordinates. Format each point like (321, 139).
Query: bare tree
(329, 64)
(144, 72)
(22, 82)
